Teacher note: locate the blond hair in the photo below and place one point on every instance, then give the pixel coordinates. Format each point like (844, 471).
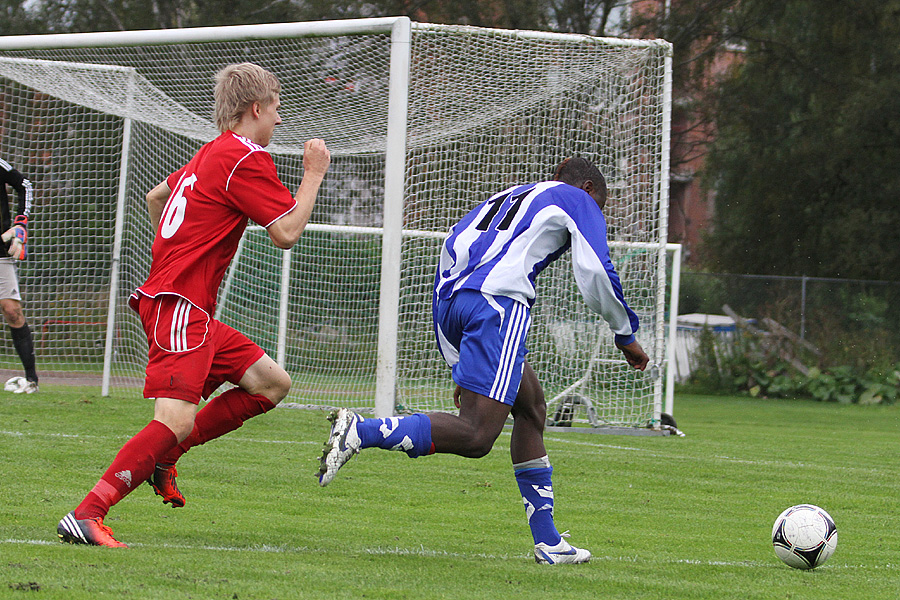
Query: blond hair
(237, 88)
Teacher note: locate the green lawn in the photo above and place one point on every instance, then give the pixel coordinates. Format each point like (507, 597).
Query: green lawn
(666, 518)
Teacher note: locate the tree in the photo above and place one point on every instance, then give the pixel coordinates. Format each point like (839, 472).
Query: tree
(59, 16)
(590, 17)
(805, 160)
(63, 16)
(19, 17)
(701, 32)
(509, 14)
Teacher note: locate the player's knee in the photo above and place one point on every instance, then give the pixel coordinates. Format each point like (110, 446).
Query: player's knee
(13, 316)
(479, 444)
(278, 386)
(177, 415)
(481, 450)
(530, 404)
(182, 430)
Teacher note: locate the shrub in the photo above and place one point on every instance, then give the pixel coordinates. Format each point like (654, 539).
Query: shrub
(752, 367)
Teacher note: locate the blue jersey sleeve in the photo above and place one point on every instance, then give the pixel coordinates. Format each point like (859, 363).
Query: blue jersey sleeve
(595, 274)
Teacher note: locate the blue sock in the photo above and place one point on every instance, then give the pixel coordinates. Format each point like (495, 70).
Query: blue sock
(537, 492)
(410, 434)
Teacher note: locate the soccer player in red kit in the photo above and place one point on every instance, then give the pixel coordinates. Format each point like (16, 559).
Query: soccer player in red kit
(199, 214)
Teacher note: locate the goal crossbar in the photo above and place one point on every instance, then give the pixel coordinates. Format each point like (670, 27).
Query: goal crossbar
(272, 31)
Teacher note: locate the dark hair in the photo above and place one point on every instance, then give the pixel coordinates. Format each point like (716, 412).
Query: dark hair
(576, 171)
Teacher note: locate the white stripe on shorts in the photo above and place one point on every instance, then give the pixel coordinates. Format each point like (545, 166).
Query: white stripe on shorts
(184, 325)
(511, 341)
(173, 326)
(178, 332)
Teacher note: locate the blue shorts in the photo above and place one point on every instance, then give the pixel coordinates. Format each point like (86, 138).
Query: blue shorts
(482, 338)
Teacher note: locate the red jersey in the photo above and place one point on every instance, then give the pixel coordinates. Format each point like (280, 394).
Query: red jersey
(229, 180)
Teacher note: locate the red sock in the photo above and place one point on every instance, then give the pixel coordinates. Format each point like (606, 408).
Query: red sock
(226, 412)
(132, 466)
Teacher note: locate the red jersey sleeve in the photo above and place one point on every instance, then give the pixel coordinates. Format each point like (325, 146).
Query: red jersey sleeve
(173, 179)
(255, 190)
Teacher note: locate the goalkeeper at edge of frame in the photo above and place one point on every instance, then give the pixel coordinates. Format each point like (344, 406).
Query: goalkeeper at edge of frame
(15, 241)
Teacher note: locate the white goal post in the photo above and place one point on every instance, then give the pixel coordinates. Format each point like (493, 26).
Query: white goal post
(423, 121)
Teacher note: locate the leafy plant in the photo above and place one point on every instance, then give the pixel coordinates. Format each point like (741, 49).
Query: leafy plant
(746, 364)
(846, 386)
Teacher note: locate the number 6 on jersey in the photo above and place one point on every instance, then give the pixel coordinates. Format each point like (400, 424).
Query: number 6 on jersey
(173, 214)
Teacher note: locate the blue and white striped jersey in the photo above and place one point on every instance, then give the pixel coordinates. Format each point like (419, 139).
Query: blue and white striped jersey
(500, 247)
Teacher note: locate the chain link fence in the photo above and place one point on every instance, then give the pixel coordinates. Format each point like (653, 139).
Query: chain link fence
(851, 321)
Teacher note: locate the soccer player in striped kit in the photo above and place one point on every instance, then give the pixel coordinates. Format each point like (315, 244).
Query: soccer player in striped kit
(199, 214)
(484, 291)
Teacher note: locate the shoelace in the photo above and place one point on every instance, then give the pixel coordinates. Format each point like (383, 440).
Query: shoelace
(104, 528)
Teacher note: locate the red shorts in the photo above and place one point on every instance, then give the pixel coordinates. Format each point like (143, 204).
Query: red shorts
(191, 354)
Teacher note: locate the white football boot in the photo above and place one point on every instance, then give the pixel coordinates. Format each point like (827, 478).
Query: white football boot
(342, 444)
(20, 385)
(562, 553)
(14, 383)
(30, 387)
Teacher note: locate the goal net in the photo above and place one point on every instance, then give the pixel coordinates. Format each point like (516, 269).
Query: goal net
(423, 122)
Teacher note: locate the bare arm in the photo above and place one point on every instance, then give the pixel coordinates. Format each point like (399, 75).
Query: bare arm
(286, 231)
(156, 202)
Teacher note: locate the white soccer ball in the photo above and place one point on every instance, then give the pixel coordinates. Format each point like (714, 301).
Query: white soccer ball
(13, 384)
(804, 536)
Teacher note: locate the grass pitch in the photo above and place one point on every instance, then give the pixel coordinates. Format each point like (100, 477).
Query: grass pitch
(666, 518)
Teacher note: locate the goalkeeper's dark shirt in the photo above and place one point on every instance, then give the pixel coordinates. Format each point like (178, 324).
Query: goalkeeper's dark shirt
(14, 179)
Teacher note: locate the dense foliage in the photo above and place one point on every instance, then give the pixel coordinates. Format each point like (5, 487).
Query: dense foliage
(746, 365)
(58, 16)
(805, 160)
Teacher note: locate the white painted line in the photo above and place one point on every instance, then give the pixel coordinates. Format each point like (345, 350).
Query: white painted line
(885, 473)
(126, 437)
(670, 456)
(422, 551)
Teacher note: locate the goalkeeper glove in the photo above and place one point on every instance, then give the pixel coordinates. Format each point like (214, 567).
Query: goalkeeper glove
(17, 237)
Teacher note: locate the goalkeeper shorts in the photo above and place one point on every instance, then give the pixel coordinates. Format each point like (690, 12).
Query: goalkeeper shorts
(190, 354)
(9, 281)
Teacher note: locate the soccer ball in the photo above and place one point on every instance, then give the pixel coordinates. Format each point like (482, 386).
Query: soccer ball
(804, 536)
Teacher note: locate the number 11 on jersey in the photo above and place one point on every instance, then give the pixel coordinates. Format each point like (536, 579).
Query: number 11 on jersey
(516, 203)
